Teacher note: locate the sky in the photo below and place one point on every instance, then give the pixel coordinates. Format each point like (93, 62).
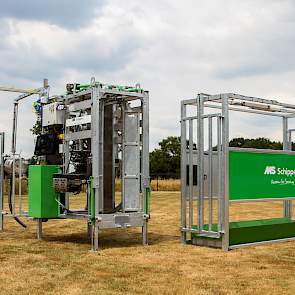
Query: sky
(175, 49)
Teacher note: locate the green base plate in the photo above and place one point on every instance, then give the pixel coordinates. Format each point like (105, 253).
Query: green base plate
(252, 231)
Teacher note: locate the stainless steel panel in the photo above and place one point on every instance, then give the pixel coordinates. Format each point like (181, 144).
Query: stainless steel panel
(131, 158)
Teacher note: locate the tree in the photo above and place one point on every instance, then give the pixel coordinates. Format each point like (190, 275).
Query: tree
(257, 143)
(165, 161)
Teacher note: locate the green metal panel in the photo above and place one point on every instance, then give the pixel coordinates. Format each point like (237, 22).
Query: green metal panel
(251, 231)
(243, 232)
(42, 197)
(255, 175)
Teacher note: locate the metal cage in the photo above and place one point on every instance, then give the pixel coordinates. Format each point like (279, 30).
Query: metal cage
(205, 172)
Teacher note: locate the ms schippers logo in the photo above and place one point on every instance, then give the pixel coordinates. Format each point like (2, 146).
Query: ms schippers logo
(270, 170)
(285, 173)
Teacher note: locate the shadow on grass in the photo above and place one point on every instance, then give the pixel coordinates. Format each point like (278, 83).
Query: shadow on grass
(111, 239)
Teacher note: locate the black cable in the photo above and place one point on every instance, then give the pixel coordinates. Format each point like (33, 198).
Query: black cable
(10, 204)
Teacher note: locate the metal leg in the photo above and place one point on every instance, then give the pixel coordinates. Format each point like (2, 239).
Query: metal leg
(183, 202)
(94, 236)
(89, 230)
(145, 233)
(39, 229)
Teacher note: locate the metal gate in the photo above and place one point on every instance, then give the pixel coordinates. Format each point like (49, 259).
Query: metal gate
(203, 171)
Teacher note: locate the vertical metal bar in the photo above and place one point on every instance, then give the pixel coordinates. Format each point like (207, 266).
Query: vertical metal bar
(286, 146)
(210, 173)
(95, 145)
(66, 158)
(101, 155)
(13, 151)
(145, 165)
(39, 229)
(95, 150)
(20, 185)
(225, 187)
(123, 158)
(1, 180)
(219, 182)
(290, 140)
(190, 161)
(183, 173)
(200, 106)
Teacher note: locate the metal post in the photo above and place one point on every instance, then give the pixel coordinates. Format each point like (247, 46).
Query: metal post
(1, 180)
(210, 174)
(287, 205)
(200, 105)
(13, 151)
(39, 229)
(20, 185)
(145, 165)
(191, 177)
(225, 177)
(183, 173)
(95, 149)
(219, 164)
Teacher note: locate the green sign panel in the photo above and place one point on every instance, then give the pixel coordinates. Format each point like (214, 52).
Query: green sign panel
(255, 175)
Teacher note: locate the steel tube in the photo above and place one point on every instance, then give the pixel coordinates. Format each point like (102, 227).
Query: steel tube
(183, 172)
(219, 120)
(225, 176)
(191, 188)
(200, 165)
(20, 185)
(210, 174)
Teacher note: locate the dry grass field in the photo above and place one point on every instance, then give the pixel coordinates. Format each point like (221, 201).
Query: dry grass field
(63, 264)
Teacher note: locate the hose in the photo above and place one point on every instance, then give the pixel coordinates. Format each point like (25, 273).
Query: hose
(10, 204)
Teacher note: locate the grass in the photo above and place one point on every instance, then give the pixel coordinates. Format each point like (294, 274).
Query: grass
(63, 264)
(158, 185)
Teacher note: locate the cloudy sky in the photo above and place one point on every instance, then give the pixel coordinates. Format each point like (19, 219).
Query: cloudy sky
(175, 49)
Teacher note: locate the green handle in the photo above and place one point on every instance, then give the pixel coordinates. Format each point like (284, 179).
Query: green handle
(147, 201)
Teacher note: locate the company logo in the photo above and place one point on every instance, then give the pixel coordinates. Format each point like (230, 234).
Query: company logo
(273, 170)
(270, 170)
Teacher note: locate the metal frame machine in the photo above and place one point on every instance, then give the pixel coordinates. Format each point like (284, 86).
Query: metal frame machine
(214, 175)
(90, 136)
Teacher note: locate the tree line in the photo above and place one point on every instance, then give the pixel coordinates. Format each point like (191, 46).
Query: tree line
(165, 160)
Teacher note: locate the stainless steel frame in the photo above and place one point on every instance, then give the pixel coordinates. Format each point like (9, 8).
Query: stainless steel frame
(96, 101)
(212, 189)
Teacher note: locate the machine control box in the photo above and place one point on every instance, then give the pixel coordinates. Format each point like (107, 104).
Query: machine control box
(53, 114)
(42, 197)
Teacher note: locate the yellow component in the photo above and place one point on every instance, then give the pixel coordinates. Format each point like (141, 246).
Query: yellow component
(61, 136)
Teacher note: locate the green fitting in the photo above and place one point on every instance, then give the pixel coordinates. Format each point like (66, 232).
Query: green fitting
(147, 201)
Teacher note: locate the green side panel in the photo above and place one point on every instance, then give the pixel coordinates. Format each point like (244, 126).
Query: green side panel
(42, 197)
(252, 231)
(244, 232)
(255, 175)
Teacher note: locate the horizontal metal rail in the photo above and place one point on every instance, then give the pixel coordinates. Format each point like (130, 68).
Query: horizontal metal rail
(261, 243)
(203, 117)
